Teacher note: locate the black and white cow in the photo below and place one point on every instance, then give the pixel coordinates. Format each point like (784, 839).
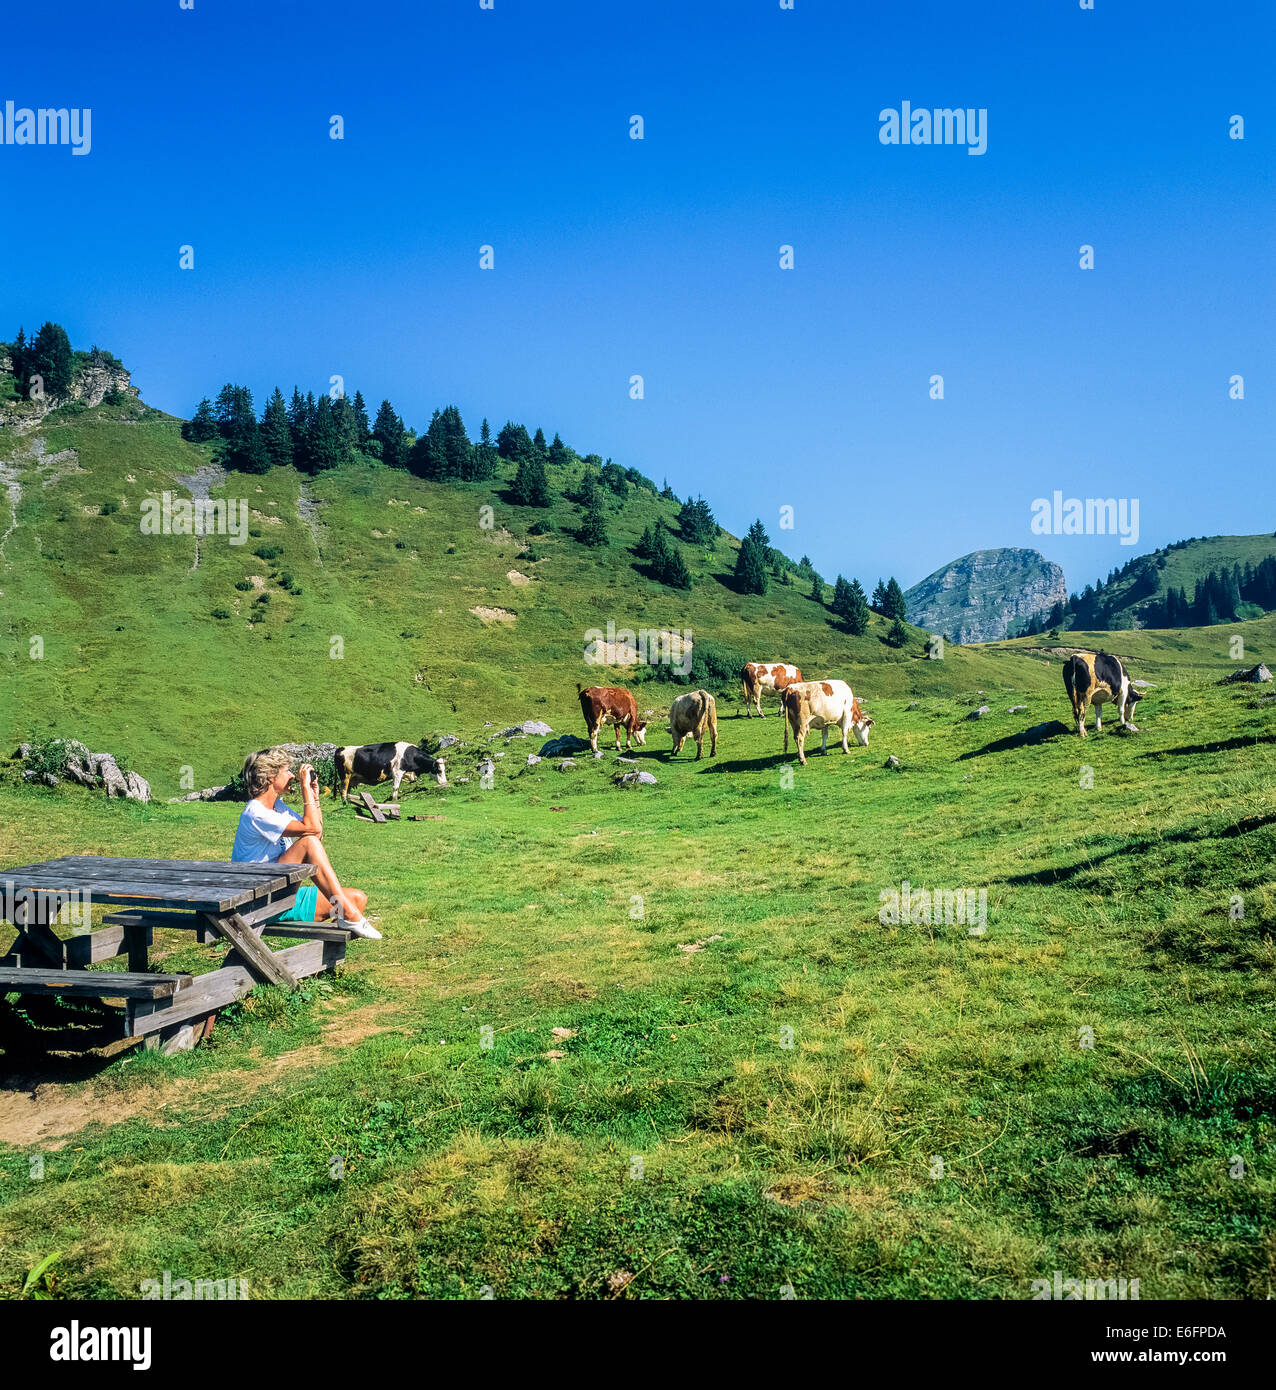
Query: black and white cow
(379, 762)
(1093, 678)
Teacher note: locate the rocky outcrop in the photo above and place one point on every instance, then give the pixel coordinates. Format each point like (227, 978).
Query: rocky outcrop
(91, 385)
(985, 594)
(99, 770)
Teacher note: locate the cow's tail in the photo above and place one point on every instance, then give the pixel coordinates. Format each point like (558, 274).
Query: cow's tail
(1070, 682)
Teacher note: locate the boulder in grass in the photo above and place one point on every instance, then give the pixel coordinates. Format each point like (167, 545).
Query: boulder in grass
(108, 771)
(893, 763)
(636, 779)
(1017, 709)
(532, 759)
(528, 726)
(563, 746)
(1257, 674)
(980, 712)
(567, 764)
(138, 788)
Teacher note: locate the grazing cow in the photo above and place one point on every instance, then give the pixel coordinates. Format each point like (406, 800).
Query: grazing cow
(758, 676)
(608, 704)
(822, 705)
(690, 715)
(1093, 678)
(377, 762)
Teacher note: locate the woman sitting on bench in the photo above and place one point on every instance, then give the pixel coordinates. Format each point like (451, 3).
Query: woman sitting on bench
(269, 832)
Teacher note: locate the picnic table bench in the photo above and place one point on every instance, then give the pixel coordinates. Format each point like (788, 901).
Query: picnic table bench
(215, 899)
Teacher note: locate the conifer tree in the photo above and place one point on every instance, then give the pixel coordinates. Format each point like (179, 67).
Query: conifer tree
(857, 610)
(751, 561)
(276, 437)
(201, 427)
(388, 431)
(531, 487)
(817, 588)
(362, 430)
(49, 357)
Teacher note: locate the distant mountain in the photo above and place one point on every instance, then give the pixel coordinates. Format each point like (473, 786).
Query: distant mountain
(984, 595)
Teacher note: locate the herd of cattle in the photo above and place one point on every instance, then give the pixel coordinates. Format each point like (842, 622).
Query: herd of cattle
(1090, 678)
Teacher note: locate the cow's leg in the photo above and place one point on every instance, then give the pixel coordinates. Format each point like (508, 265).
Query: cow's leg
(1081, 706)
(699, 743)
(713, 734)
(800, 740)
(345, 786)
(677, 746)
(845, 727)
(593, 738)
(824, 741)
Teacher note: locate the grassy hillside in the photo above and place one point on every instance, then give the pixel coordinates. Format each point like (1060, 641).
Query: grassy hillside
(1178, 567)
(136, 662)
(714, 1071)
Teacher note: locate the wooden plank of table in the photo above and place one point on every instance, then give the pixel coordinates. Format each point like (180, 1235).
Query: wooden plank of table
(255, 953)
(201, 897)
(78, 862)
(218, 988)
(373, 809)
(90, 947)
(101, 984)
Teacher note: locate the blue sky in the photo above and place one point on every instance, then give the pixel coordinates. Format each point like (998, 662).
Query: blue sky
(764, 387)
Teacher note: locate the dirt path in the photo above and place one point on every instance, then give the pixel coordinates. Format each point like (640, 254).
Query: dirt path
(35, 1112)
(308, 511)
(200, 484)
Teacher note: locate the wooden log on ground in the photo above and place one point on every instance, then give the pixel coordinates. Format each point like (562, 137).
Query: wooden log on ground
(373, 808)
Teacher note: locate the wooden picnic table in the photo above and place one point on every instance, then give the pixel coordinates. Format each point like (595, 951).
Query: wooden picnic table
(216, 899)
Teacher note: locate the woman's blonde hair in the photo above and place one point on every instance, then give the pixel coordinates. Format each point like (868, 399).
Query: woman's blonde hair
(261, 769)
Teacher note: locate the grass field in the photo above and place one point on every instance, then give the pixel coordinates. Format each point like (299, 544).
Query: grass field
(767, 1110)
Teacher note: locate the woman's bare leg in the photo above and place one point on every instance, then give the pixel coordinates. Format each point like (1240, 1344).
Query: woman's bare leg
(308, 849)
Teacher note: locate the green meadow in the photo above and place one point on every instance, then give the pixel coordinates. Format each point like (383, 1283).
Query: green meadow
(630, 1042)
(656, 1042)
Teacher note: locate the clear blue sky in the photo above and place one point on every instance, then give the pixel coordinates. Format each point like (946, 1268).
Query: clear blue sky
(660, 257)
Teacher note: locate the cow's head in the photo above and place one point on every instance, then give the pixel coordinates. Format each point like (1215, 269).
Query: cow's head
(1133, 696)
(639, 731)
(860, 724)
(416, 761)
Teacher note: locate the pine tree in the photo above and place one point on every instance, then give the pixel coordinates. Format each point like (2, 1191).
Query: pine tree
(841, 604)
(696, 522)
(857, 610)
(878, 602)
(898, 634)
(276, 437)
(531, 487)
(675, 572)
(751, 561)
(485, 432)
(559, 453)
(388, 431)
(325, 443)
(201, 427)
(514, 442)
(817, 588)
(895, 606)
(49, 357)
(362, 431)
(538, 443)
(18, 359)
(593, 531)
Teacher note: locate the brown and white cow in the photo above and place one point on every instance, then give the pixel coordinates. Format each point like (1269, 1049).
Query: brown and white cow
(609, 704)
(822, 705)
(758, 676)
(689, 716)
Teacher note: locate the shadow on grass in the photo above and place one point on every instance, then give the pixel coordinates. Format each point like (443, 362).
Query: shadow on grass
(1221, 746)
(1191, 835)
(1026, 738)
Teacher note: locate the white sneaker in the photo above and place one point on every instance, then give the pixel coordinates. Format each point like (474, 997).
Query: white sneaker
(359, 926)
